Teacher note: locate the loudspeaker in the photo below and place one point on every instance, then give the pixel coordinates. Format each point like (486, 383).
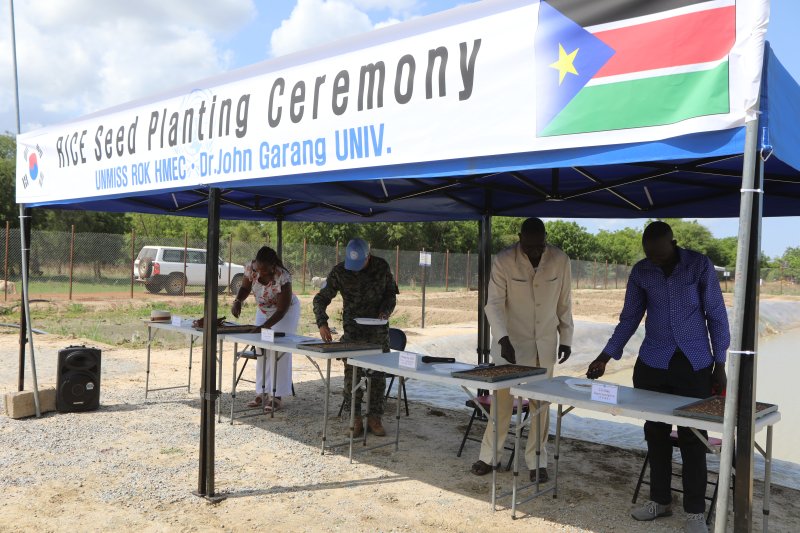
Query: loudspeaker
(78, 379)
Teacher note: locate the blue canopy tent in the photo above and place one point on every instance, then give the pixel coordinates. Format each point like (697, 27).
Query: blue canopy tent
(695, 173)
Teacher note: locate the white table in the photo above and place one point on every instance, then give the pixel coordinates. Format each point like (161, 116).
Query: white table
(291, 343)
(634, 403)
(389, 363)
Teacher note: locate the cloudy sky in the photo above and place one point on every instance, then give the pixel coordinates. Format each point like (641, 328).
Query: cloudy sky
(75, 57)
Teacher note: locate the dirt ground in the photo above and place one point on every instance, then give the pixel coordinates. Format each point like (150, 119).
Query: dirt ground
(132, 465)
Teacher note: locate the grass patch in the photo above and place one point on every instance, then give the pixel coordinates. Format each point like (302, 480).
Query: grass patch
(171, 451)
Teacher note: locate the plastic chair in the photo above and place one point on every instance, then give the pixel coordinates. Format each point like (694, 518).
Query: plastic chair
(397, 341)
(486, 402)
(712, 499)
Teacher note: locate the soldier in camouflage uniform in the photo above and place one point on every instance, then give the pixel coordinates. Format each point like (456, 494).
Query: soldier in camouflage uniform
(368, 291)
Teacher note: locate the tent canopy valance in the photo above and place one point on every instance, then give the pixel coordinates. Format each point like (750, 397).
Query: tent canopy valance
(270, 137)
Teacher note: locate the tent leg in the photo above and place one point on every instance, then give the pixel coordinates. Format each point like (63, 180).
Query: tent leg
(484, 265)
(486, 262)
(208, 393)
(25, 312)
(740, 397)
(23, 316)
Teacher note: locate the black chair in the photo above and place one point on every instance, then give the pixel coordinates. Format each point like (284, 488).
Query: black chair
(397, 341)
(715, 483)
(477, 414)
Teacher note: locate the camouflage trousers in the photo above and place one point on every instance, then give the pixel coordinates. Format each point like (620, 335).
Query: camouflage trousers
(377, 391)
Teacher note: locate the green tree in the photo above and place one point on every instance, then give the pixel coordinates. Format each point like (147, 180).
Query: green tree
(726, 247)
(694, 236)
(8, 206)
(572, 238)
(623, 247)
(791, 262)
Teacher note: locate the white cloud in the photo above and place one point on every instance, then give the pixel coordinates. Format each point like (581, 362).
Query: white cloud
(395, 6)
(315, 22)
(79, 56)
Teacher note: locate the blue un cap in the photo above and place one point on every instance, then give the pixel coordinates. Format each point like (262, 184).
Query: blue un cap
(356, 254)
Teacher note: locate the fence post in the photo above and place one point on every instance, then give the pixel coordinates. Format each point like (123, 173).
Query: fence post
(616, 274)
(5, 266)
(230, 257)
(337, 253)
(185, 258)
(594, 274)
(578, 275)
(304, 265)
(397, 265)
(133, 258)
(468, 272)
(605, 280)
(71, 258)
(423, 295)
(446, 268)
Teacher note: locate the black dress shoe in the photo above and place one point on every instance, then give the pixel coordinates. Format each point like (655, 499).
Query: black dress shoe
(479, 468)
(543, 477)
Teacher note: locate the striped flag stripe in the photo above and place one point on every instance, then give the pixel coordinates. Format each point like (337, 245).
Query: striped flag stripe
(698, 37)
(644, 102)
(594, 12)
(667, 71)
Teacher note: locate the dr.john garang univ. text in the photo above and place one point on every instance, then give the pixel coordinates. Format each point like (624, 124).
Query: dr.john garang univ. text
(297, 100)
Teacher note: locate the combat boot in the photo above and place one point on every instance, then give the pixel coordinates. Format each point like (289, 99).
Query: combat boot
(375, 426)
(358, 427)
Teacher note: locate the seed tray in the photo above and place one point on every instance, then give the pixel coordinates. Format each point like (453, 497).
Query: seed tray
(327, 347)
(713, 409)
(491, 374)
(231, 327)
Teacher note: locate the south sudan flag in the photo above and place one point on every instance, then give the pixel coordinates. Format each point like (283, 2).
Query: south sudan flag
(606, 65)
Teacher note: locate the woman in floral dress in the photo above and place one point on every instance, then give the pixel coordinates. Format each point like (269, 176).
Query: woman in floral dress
(278, 309)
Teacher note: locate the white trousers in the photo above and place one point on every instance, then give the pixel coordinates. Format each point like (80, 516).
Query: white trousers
(505, 406)
(283, 374)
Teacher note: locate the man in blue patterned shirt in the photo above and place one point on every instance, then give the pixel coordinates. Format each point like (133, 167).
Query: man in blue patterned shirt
(683, 353)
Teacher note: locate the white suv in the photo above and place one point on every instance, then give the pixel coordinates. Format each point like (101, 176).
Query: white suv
(162, 267)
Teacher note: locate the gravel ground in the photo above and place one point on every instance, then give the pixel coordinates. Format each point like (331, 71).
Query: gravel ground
(132, 465)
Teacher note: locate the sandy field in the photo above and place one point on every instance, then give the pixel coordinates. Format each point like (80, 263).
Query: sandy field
(132, 465)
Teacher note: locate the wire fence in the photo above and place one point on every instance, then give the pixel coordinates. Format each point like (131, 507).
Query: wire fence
(69, 265)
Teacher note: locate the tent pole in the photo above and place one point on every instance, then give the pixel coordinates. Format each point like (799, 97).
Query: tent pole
(208, 393)
(484, 265)
(487, 267)
(741, 393)
(25, 235)
(481, 273)
(25, 311)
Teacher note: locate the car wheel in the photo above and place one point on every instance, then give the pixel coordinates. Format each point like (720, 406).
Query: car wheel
(153, 286)
(175, 284)
(145, 268)
(236, 284)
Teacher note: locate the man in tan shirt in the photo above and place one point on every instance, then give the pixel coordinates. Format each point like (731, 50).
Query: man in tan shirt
(529, 309)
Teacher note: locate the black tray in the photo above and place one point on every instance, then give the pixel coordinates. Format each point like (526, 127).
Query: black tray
(327, 347)
(229, 327)
(492, 374)
(690, 410)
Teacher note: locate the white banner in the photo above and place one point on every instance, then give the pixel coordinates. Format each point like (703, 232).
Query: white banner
(460, 84)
